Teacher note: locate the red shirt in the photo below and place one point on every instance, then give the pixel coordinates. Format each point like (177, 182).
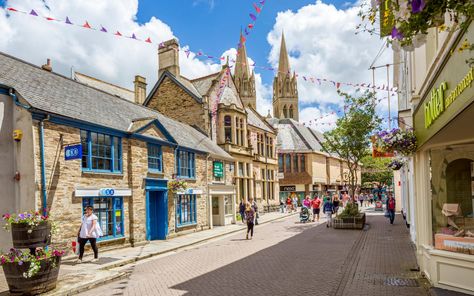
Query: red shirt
(316, 203)
(288, 201)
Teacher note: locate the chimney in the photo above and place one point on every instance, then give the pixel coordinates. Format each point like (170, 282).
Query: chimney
(47, 66)
(168, 57)
(140, 89)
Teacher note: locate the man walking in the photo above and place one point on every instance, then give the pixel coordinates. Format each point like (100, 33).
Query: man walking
(391, 208)
(316, 205)
(328, 209)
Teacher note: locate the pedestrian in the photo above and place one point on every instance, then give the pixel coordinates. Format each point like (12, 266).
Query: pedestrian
(282, 206)
(361, 200)
(307, 202)
(316, 205)
(254, 205)
(371, 198)
(295, 203)
(391, 208)
(328, 209)
(335, 202)
(250, 215)
(288, 204)
(89, 231)
(242, 210)
(345, 199)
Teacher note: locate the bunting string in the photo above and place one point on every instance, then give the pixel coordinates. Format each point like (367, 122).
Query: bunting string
(199, 54)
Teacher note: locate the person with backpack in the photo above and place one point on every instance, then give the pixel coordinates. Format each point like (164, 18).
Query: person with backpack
(391, 208)
(242, 210)
(328, 209)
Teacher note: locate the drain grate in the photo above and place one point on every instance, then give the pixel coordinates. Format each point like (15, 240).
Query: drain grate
(399, 282)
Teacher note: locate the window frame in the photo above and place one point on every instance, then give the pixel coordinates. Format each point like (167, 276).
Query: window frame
(115, 148)
(191, 217)
(189, 166)
(159, 158)
(228, 128)
(113, 199)
(302, 163)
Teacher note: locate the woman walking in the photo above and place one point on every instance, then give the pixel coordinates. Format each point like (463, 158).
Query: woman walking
(250, 216)
(89, 231)
(335, 202)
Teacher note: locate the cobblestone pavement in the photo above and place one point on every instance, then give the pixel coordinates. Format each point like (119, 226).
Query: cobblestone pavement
(284, 258)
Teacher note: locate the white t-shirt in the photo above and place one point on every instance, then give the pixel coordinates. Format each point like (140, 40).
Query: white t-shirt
(87, 224)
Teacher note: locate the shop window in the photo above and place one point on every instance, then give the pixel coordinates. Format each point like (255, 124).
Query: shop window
(295, 163)
(186, 210)
(303, 163)
(228, 205)
(215, 205)
(452, 183)
(155, 158)
(280, 163)
(228, 129)
(101, 152)
(109, 211)
(186, 164)
(288, 163)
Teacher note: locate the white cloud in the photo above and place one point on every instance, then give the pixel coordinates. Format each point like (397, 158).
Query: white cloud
(105, 56)
(322, 43)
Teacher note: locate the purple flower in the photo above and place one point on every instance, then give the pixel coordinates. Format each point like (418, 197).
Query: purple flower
(396, 34)
(417, 6)
(20, 262)
(21, 216)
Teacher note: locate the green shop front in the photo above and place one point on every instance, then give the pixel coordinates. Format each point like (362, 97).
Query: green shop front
(444, 173)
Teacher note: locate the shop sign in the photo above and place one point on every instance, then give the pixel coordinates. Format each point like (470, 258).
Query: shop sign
(218, 169)
(290, 188)
(281, 176)
(88, 192)
(73, 152)
(191, 191)
(106, 192)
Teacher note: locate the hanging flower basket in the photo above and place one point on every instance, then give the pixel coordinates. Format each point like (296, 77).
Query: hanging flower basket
(177, 185)
(395, 165)
(401, 142)
(29, 230)
(31, 274)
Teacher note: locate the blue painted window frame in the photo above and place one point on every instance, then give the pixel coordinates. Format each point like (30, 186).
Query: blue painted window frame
(186, 164)
(155, 158)
(117, 205)
(115, 146)
(186, 213)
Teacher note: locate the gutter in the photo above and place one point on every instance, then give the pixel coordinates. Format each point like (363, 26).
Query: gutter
(43, 166)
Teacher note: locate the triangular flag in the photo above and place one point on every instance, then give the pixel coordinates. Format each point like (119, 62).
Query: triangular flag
(252, 16)
(246, 32)
(161, 45)
(250, 26)
(222, 58)
(68, 21)
(262, 2)
(338, 84)
(133, 36)
(50, 18)
(86, 25)
(257, 9)
(210, 57)
(118, 33)
(102, 29)
(12, 9)
(33, 13)
(304, 77)
(148, 40)
(242, 40)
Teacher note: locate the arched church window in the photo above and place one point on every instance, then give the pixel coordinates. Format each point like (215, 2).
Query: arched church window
(228, 129)
(285, 112)
(291, 111)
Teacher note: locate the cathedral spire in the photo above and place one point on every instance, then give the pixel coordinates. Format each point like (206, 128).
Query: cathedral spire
(243, 78)
(242, 69)
(283, 63)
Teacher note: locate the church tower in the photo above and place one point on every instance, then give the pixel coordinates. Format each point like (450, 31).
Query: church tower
(244, 81)
(285, 90)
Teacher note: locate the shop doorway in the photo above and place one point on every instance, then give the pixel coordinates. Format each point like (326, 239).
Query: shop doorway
(157, 215)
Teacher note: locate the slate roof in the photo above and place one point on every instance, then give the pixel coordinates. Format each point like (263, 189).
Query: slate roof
(203, 84)
(57, 94)
(188, 84)
(253, 118)
(294, 136)
(105, 86)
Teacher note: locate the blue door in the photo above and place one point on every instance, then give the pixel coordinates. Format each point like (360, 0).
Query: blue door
(157, 221)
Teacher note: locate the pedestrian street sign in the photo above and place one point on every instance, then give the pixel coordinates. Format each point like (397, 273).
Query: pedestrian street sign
(73, 152)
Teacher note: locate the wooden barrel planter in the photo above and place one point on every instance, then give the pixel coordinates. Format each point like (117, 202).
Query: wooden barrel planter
(357, 222)
(42, 282)
(28, 237)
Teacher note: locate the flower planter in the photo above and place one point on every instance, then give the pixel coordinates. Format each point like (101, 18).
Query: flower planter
(43, 281)
(357, 222)
(26, 236)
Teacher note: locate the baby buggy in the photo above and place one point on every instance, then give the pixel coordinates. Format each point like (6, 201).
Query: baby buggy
(304, 215)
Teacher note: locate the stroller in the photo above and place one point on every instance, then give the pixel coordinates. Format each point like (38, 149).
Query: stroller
(304, 215)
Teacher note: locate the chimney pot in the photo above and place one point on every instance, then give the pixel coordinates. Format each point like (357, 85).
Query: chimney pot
(47, 66)
(168, 57)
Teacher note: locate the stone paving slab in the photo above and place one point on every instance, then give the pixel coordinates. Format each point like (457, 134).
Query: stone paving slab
(74, 278)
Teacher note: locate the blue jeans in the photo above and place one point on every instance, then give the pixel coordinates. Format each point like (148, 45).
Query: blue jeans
(391, 215)
(242, 215)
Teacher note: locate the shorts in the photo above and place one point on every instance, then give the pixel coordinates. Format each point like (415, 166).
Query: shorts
(316, 211)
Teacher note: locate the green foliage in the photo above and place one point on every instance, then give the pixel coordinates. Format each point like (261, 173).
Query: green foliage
(351, 210)
(351, 137)
(375, 170)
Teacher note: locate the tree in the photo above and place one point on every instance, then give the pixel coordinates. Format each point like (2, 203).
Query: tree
(351, 137)
(375, 170)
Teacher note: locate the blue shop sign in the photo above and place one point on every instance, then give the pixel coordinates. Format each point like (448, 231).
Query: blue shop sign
(73, 152)
(106, 192)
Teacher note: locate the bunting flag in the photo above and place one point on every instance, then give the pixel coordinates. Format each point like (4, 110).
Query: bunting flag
(148, 40)
(50, 18)
(102, 29)
(252, 16)
(68, 21)
(118, 33)
(86, 25)
(133, 36)
(257, 9)
(32, 12)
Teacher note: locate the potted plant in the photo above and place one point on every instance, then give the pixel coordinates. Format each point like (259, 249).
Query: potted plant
(401, 142)
(395, 164)
(350, 218)
(30, 274)
(29, 229)
(177, 185)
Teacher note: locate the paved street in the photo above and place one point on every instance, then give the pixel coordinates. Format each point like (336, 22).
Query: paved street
(284, 258)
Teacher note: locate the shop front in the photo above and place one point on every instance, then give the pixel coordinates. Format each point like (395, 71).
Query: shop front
(223, 204)
(297, 190)
(444, 175)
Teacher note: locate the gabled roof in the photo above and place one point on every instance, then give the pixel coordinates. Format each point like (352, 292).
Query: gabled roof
(230, 97)
(58, 95)
(254, 119)
(203, 84)
(182, 82)
(294, 136)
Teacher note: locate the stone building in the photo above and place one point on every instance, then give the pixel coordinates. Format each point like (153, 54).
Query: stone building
(82, 146)
(213, 104)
